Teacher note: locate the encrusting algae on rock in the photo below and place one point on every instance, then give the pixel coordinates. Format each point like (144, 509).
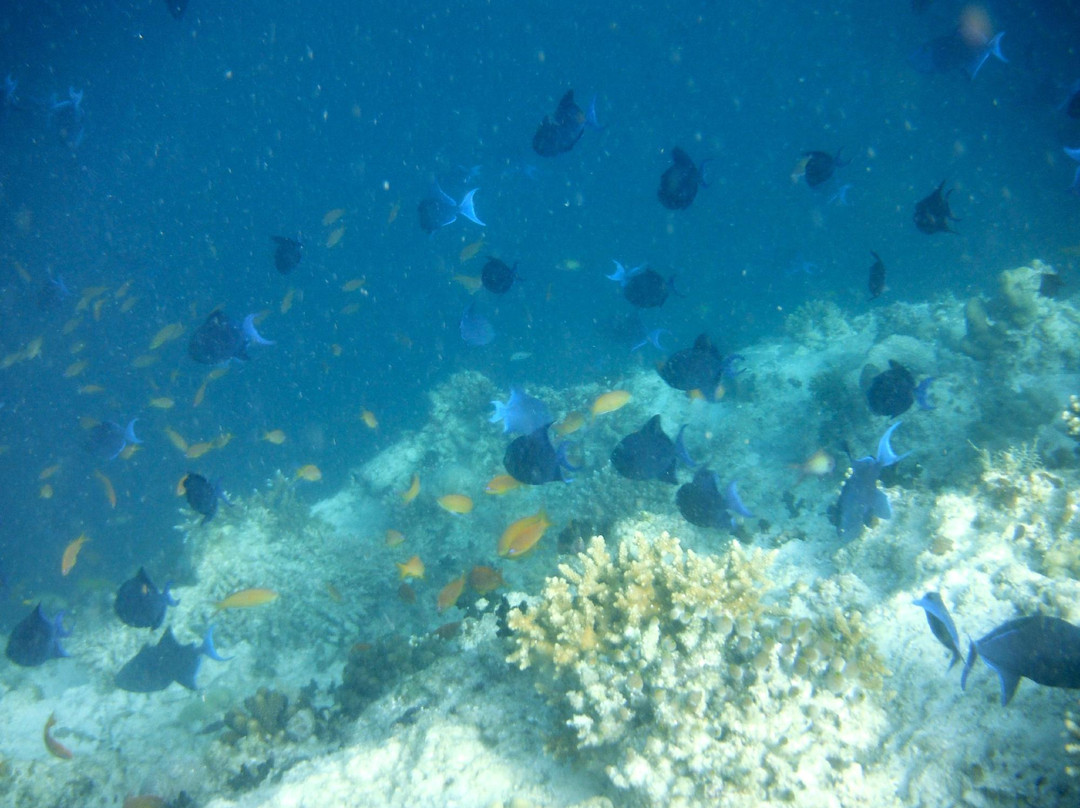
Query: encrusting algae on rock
(687, 680)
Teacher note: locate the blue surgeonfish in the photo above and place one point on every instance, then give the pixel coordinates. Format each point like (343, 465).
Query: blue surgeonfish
(1044, 649)
(155, 667)
(941, 624)
(860, 498)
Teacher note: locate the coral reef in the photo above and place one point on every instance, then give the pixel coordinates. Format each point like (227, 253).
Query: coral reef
(689, 680)
(373, 668)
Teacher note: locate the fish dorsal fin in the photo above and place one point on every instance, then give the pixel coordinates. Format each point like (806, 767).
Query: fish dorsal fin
(681, 158)
(652, 427)
(703, 343)
(566, 102)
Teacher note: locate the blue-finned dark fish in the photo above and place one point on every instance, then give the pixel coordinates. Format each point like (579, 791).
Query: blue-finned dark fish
(36, 639)
(287, 253)
(649, 454)
(139, 603)
(680, 181)
(108, 439)
(957, 51)
(155, 667)
(533, 460)
(220, 339)
(702, 503)
(559, 133)
(941, 624)
(860, 498)
(438, 209)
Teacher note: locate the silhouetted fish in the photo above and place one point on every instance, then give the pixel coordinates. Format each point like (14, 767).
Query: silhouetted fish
(521, 413)
(202, 495)
(108, 439)
(679, 183)
(475, 328)
(176, 8)
(287, 254)
(155, 667)
(876, 283)
(438, 209)
(220, 339)
(956, 51)
(51, 293)
(497, 277)
(1044, 649)
(642, 287)
(820, 167)
(531, 459)
(700, 367)
(932, 214)
(139, 603)
(860, 498)
(560, 133)
(893, 391)
(702, 503)
(36, 639)
(1071, 105)
(941, 624)
(648, 454)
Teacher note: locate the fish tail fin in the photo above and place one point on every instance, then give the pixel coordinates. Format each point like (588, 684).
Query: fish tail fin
(129, 432)
(620, 275)
(499, 414)
(922, 394)
(994, 47)
(734, 502)
(207, 648)
(168, 595)
(560, 455)
(885, 454)
(681, 452)
(973, 654)
(590, 116)
(467, 209)
(252, 333)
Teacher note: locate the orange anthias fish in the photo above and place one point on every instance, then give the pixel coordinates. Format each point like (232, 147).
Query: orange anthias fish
(570, 424)
(485, 579)
(71, 553)
(56, 749)
(394, 537)
(106, 484)
(413, 568)
(819, 464)
(369, 419)
(501, 483)
(274, 436)
(309, 472)
(450, 593)
(455, 503)
(414, 489)
(246, 598)
(521, 537)
(609, 402)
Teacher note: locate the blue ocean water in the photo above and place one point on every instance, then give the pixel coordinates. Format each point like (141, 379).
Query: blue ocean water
(201, 138)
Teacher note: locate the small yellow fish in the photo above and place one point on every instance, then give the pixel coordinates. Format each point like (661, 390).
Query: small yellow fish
(162, 403)
(98, 306)
(166, 334)
(455, 503)
(471, 283)
(197, 450)
(352, 308)
(332, 216)
(33, 348)
(123, 290)
(369, 419)
(176, 439)
(71, 553)
(353, 285)
(522, 536)
(145, 360)
(49, 471)
(609, 402)
(394, 537)
(56, 749)
(88, 297)
(335, 237)
(71, 325)
(413, 568)
(414, 489)
(46, 491)
(394, 210)
(200, 394)
(77, 347)
(500, 484)
(309, 472)
(274, 436)
(286, 302)
(570, 424)
(106, 483)
(246, 598)
(128, 304)
(222, 440)
(470, 250)
(336, 349)
(75, 368)
(450, 593)
(90, 389)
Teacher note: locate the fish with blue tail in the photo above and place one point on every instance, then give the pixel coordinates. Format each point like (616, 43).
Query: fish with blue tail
(108, 439)
(680, 181)
(958, 50)
(700, 367)
(893, 391)
(559, 133)
(520, 413)
(36, 639)
(1044, 649)
(533, 460)
(819, 167)
(221, 339)
(642, 287)
(156, 667)
(649, 454)
(140, 604)
(203, 495)
(438, 209)
(702, 503)
(287, 254)
(933, 214)
(941, 624)
(861, 501)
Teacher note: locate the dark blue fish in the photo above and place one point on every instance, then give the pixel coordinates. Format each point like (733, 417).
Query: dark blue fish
(108, 439)
(642, 287)
(139, 603)
(531, 459)
(287, 254)
(955, 51)
(36, 639)
(820, 167)
(933, 214)
(941, 624)
(558, 134)
(497, 277)
(221, 339)
(860, 499)
(649, 454)
(702, 503)
(475, 328)
(700, 367)
(876, 281)
(521, 413)
(438, 209)
(680, 182)
(176, 8)
(1044, 649)
(155, 667)
(893, 391)
(203, 495)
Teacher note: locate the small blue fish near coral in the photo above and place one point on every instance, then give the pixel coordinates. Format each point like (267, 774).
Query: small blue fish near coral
(941, 624)
(1044, 649)
(36, 639)
(860, 499)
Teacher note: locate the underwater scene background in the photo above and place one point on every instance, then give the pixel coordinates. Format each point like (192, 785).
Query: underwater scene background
(252, 332)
